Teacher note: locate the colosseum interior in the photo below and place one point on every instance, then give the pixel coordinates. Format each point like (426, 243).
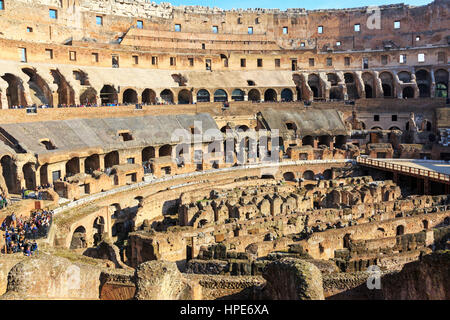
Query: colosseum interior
(151, 151)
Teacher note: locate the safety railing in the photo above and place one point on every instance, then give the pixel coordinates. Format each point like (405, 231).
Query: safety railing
(404, 168)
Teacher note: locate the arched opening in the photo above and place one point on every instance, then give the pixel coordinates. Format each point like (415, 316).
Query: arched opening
(336, 93)
(39, 89)
(148, 97)
(325, 140)
(79, 238)
(89, 96)
(99, 229)
(308, 175)
(111, 159)
(350, 84)
(66, 94)
(287, 95)
(369, 85)
(387, 83)
(147, 154)
(408, 93)
(289, 176)
(130, 97)
(308, 141)
(185, 97)
(203, 96)
(29, 175)
(315, 85)
(237, 95)
(242, 128)
(270, 95)
(92, 163)
(220, 96)
(165, 150)
(400, 230)
(327, 174)
(167, 96)
(425, 224)
(423, 81)
(254, 95)
(15, 91)
(108, 95)
(340, 141)
(72, 167)
(441, 79)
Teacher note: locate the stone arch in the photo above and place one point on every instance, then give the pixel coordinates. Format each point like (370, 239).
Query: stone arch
(325, 140)
(408, 92)
(40, 91)
(185, 97)
(270, 95)
(89, 96)
(340, 142)
(289, 176)
(15, 92)
(220, 95)
(203, 95)
(328, 174)
(79, 238)
(308, 175)
(287, 95)
(147, 154)
(315, 84)
(29, 174)
(387, 83)
(92, 163)
(400, 230)
(166, 96)
(254, 95)
(350, 83)
(66, 94)
(130, 97)
(111, 159)
(238, 95)
(308, 141)
(369, 85)
(108, 95)
(165, 150)
(441, 80)
(423, 80)
(72, 167)
(148, 96)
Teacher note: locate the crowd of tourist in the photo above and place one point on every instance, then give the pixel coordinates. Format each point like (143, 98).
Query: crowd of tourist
(20, 233)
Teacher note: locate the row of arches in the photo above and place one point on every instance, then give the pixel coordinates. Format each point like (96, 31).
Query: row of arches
(422, 78)
(109, 95)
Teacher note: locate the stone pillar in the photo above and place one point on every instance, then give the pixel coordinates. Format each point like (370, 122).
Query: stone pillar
(432, 84)
(82, 164)
(101, 159)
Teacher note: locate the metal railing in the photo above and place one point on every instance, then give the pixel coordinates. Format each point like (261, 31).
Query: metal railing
(404, 168)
